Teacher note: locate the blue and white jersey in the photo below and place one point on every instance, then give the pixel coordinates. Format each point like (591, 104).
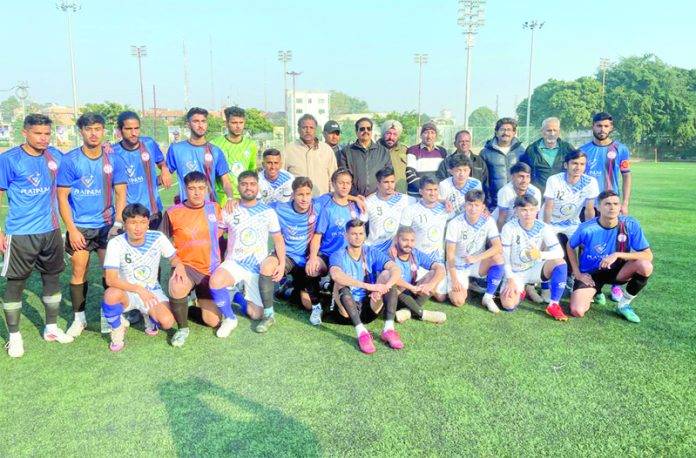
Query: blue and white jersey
(384, 217)
(142, 187)
(332, 225)
(366, 268)
(298, 228)
(449, 191)
(606, 163)
(91, 183)
(517, 241)
(138, 264)
(184, 158)
(31, 190)
(248, 229)
(278, 190)
(409, 266)
(568, 200)
(429, 224)
(598, 242)
(470, 239)
(507, 196)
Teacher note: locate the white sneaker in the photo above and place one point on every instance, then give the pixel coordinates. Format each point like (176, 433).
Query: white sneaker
(57, 335)
(491, 306)
(76, 328)
(315, 317)
(402, 315)
(533, 295)
(15, 348)
(226, 327)
(616, 293)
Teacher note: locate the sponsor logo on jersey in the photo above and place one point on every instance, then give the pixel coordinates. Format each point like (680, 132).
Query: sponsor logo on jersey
(34, 179)
(600, 248)
(142, 273)
(249, 237)
(192, 165)
(237, 168)
(87, 180)
(130, 170)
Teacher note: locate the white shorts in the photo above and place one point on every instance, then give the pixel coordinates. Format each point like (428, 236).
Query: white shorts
(250, 280)
(529, 276)
(440, 288)
(568, 231)
(464, 274)
(135, 303)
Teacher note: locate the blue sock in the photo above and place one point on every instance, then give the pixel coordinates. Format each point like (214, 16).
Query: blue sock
(154, 323)
(558, 281)
(268, 312)
(545, 285)
(221, 297)
(239, 299)
(112, 313)
(495, 276)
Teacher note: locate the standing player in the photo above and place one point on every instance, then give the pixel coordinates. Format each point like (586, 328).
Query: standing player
(613, 250)
(275, 184)
(248, 228)
(360, 290)
(198, 155)
(239, 152)
(130, 267)
(32, 237)
(467, 255)
(525, 263)
(519, 185)
(455, 188)
(88, 179)
(384, 209)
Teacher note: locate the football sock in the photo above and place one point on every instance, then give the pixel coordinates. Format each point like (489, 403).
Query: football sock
(559, 275)
(221, 297)
(112, 313)
(388, 325)
(410, 303)
(359, 329)
(635, 284)
(390, 301)
(81, 317)
(495, 276)
(52, 306)
(78, 293)
(180, 311)
(266, 292)
(349, 305)
(12, 313)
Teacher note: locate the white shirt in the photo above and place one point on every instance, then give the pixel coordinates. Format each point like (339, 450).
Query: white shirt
(568, 200)
(138, 265)
(279, 190)
(429, 225)
(450, 192)
(384, 216)
(507, 196)
(470, 239)
(517, 241)
(248, 229)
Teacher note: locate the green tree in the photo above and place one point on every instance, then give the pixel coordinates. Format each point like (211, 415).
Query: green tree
(483, 117)
(110, 111)
(257, 123)
(341, 103)
(409, 121)
(7, 108)
(216, 125)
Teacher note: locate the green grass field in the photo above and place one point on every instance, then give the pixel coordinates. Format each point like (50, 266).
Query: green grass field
(519, 384)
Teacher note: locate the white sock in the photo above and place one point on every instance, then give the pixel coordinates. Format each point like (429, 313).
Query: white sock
(388, 325)
(51, 327)
(81, 317)
(316, 306)
(15, 336)
(625, 299)
(359, 329)
(487, 297)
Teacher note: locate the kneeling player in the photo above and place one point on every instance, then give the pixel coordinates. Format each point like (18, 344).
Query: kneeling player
(130, 267)
(412, 293)
(525, 263)
(613, 250)
(467, 255)
(359, 290)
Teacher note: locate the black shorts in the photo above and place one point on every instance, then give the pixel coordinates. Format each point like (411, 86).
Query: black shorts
(155, 221)
(603, 277)
(43, 252)
(367, 315)
(200, 282)
(325, 258)
(96, 239)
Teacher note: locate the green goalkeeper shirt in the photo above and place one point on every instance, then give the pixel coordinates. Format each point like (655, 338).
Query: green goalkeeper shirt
(240, 157)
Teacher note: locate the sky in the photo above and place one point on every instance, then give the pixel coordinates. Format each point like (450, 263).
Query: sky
(364, 48)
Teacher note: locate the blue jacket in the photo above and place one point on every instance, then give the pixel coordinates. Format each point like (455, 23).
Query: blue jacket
(498, 167)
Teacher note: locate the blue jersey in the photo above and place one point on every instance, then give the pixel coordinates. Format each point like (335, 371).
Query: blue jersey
(142, 187)
(91, 182)
(409, 267)
(184, 158)
(298, 228)
(606, 163)
(31, 190)
(366, 268)
(332, 225)
(597, 242)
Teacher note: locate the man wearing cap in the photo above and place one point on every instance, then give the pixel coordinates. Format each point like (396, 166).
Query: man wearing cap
(391, 131)
(332, 137)
(500, 154)
(546, 155)
(424, 158)
(462, 143)
(364, 158)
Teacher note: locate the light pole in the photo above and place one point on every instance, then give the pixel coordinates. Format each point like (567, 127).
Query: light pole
(140, 52)
(68, 6)
(293, 75)
(285, 57)
(470, 20)
(604, 63)
(531, 25)
(420, 59)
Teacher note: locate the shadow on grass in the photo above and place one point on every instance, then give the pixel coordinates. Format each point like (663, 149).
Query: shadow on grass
(209, 420)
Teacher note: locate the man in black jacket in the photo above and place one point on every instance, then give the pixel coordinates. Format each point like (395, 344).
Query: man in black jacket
(500, 154)
(462, 143)
(545, 156)
(364, 158)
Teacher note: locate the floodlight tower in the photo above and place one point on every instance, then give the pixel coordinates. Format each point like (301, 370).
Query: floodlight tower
(531, 25)
(470, 20)
(420, 59)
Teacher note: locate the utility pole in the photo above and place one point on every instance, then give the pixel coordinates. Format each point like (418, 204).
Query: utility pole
(71, 6)
(420, 59)
(470, 20)
(285, 57)
(154, 112)
(140, 52)
(604, 63)
(531, 25)
(294, 75)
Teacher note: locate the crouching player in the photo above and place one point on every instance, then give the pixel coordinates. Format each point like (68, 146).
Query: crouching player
(525, 263)
(412, 293)
(467, 255)
(130, 267)
(613, 250)
(359, 288)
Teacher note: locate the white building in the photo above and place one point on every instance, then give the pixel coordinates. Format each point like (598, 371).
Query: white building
(315, 103)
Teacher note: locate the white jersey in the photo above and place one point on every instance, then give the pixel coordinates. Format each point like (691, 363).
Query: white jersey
(429, 224)
(138, 264)
(507, 196)
(568, 200)
(278, 190)
(449, 191)
(517, 241)
(470, 239)
(248, 229)
(384, 217)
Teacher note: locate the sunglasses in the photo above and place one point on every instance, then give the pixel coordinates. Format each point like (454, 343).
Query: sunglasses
(365, 129)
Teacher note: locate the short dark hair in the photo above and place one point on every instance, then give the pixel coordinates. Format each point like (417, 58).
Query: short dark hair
(520, 167)
(194, 177)
(363, 119)
(383, 173)
(341, 171)
(602, 116)
(302, 182)
(426, 180)
(247, 174)
(306, 117)
(502, 121)
(90, 118)
(125, 116)
(133, 210)
(355, 222)
(234, 111)
(574, 154)
(196, 111)
(459, 160)
(405, 230)
(463, 131)
(606, 194)
(271, 152)
(475, 195)
(36, 119)
(525, 201)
